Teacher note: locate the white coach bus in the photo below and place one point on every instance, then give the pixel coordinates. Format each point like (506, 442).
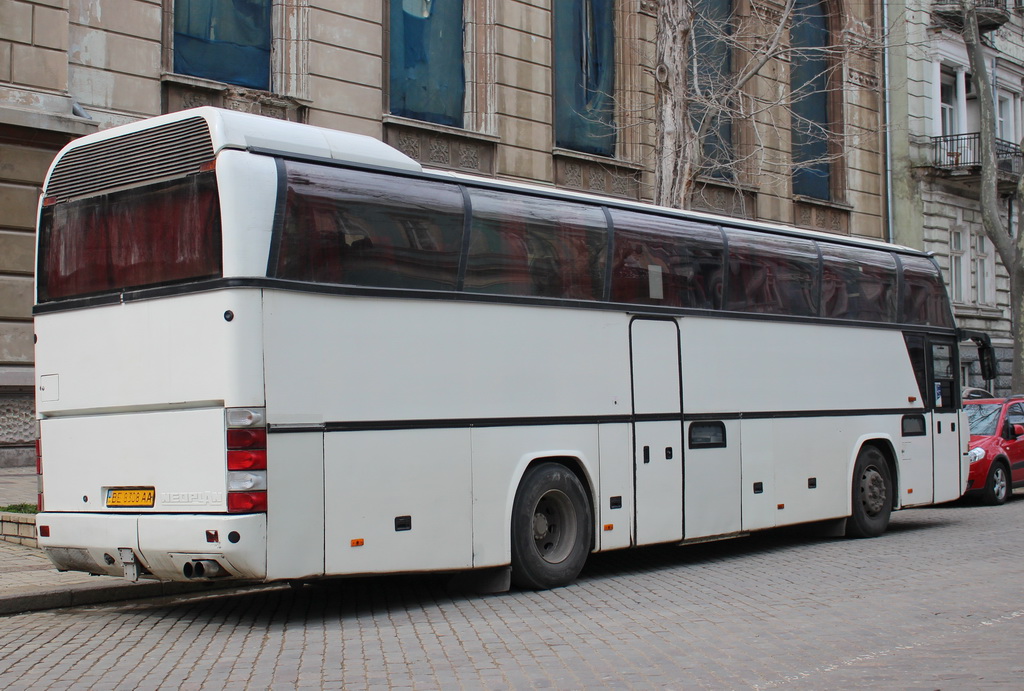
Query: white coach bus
(271, 351)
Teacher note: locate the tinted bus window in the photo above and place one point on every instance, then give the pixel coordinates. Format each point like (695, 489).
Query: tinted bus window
(522, 245)
(924, 294)
(153, 235)
(359, 228)
(858, 283)
(663, 261)
(772, 274)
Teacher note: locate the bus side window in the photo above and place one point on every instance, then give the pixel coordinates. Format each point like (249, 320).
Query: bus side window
(925, 296)
(521, 245)
(858, 284)
(665, 261)
(368, 229)
(772, 275)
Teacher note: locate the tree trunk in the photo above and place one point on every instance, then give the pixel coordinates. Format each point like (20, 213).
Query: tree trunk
(1010, 250)
(676, 143)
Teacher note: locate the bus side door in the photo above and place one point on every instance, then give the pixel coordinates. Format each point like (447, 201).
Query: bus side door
(944, 363)
(657, 430)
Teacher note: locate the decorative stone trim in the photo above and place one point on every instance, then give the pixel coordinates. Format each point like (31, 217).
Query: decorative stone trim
(831, 217)
(437, 146)
(587, 173)
(182, 92)
(731, 200)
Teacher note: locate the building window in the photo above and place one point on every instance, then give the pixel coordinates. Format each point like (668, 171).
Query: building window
(984, 271)
(711, 64)
(1005, 120)
(224, 40)
(948, 106)
(958, 279)
(809, 92)
(427, 73)
(584, 75)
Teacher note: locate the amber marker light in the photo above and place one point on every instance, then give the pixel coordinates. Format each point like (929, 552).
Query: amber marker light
(609, 526)
(358, 542)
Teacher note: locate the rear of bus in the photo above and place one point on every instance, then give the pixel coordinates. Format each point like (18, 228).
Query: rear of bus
(149, 346)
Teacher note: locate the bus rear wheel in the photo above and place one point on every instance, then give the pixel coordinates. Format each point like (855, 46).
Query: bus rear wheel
(551, 527)
(872, 495)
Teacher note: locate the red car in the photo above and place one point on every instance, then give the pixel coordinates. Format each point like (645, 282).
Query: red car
(997, 447)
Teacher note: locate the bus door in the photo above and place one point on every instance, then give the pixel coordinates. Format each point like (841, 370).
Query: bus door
(944, 363)
(930, 445)
(657, 430)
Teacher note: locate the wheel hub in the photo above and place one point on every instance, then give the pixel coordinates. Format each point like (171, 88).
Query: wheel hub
(872, 491)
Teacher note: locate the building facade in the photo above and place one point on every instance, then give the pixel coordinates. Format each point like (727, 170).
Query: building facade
(935, 160)
(558, 93)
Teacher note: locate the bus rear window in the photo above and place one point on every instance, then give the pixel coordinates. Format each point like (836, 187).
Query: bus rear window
(154, 235)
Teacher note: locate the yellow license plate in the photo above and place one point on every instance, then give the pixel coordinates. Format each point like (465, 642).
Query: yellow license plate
(135, 496)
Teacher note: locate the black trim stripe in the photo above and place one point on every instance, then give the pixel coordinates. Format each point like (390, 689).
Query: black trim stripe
(542, 421)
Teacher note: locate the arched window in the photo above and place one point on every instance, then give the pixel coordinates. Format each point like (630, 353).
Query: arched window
(811, 113)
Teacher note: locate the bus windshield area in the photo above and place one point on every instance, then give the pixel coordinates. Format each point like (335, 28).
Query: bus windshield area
(158, 234)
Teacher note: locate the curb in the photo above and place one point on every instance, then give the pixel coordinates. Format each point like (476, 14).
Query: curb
(98, 594)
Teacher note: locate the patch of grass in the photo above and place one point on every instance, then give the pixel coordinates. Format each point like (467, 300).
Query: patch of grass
(19, 508)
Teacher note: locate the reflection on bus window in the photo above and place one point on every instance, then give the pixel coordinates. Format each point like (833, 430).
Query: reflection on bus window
(359, 228)
(662, 261)
(159, 234)
(521, 245)
(858, 284)
(772, 274)
(924, 296)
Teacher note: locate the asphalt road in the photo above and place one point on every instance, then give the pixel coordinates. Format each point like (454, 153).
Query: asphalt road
(936, 603)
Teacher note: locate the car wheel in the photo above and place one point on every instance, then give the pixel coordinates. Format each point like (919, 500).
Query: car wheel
(872, 495)
(997, 486)
(551, 528)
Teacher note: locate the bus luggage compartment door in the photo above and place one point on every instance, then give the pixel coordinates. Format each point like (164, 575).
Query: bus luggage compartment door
(657, 430)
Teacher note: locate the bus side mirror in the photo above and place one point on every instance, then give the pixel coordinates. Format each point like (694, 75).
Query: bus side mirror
(987, 361)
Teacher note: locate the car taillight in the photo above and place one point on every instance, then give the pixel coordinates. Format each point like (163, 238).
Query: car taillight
(39, 475)
(246, 435)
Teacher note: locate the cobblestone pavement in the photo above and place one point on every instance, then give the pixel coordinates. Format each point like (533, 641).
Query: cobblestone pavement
(933, 604)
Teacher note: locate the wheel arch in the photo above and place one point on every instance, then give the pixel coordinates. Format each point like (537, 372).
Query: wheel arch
(884, 445)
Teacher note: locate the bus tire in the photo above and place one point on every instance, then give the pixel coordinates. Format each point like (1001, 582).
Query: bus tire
(872, 494)
(551, 527)
(997, 484)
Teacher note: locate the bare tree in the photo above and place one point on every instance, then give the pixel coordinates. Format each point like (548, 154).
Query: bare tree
(1010, 249)
(713, 70)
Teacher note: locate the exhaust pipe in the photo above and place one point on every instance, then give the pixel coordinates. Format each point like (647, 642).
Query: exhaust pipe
(206, 568)
(202, 568)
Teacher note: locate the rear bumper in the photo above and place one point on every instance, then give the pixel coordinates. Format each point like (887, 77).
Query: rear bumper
(161, 544)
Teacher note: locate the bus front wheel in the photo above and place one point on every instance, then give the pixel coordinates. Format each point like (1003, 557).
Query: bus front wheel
(551, 527)
(872, 494)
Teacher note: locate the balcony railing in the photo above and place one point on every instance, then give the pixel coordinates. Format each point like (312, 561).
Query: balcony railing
(991, 14)
(963, 151)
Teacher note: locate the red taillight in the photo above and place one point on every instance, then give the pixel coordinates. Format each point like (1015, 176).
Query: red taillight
(39, 457)
(247, 459)
(247, 438)
(247, 502)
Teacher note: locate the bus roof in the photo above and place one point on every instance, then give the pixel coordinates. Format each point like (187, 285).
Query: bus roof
(230, 129)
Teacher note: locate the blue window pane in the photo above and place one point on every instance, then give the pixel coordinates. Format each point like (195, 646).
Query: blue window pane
(224, 40)
(712, 59)
(427, 78)
(584, 73)
(808, 82)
